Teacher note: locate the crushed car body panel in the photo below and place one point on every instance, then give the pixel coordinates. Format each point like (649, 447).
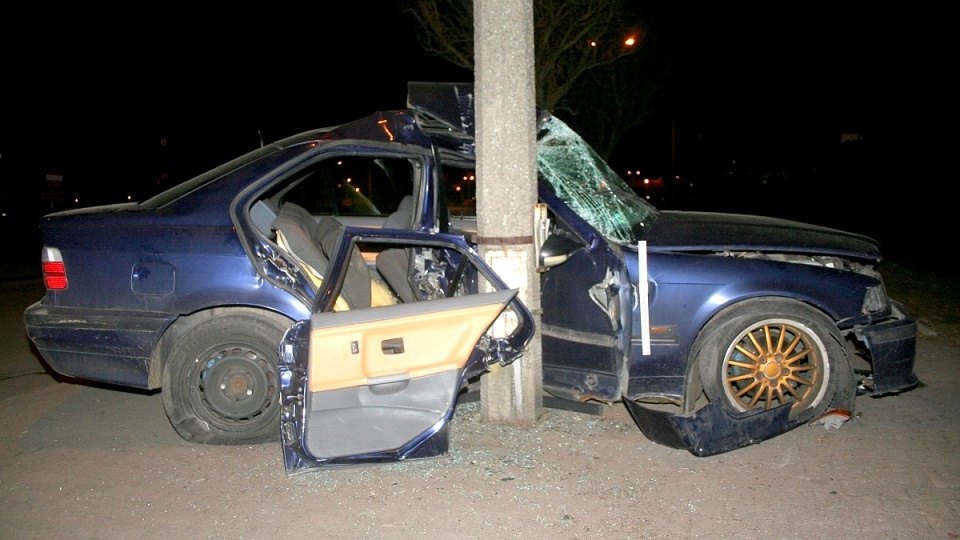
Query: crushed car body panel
(712, 430)
(697, 264)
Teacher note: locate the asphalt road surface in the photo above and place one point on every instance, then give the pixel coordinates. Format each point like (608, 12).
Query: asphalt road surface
(81, 461)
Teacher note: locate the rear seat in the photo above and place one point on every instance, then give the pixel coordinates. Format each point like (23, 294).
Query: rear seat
(394, 264)
(296, 229)
(356, 285)
(313, 243)
(262, 214)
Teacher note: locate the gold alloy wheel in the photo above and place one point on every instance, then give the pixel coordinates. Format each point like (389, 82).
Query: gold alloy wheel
(774, 363)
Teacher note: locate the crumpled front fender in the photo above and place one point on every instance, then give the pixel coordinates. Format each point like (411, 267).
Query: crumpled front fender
(712, 429)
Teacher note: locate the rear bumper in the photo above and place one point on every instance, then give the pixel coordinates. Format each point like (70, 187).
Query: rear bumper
(893, 346)
(108, 346)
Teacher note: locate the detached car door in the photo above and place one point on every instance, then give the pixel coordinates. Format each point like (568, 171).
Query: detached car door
(363, 384)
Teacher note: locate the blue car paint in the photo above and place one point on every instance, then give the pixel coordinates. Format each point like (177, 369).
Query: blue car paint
(113, 333)
(679, 231)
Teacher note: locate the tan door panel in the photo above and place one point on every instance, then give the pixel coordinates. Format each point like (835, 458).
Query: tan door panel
(407, 340)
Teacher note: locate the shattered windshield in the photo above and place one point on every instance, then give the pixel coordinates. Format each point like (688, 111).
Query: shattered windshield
(582, 180)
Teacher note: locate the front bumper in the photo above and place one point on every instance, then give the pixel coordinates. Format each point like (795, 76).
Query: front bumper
(109, 346)
(893, 346)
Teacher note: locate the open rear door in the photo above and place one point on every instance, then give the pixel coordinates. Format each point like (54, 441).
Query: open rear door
(379, 384)
(384, 380)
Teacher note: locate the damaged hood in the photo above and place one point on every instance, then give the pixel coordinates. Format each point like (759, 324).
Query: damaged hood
(709, 231)
(586, 183)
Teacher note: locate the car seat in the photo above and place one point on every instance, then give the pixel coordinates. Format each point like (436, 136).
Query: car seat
(394, 263)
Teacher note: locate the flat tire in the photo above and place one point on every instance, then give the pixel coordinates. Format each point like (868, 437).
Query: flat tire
(221, 381)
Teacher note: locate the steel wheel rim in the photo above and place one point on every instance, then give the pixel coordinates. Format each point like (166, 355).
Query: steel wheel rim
(234, 384)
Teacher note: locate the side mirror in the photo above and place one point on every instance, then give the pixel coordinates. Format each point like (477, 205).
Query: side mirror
(556, 249)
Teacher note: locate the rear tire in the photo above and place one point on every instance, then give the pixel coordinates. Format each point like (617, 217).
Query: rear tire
(221, 382)
(764, 353)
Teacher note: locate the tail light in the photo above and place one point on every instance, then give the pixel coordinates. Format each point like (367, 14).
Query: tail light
(54, 272)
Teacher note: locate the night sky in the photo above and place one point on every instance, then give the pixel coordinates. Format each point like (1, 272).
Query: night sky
(754, 92)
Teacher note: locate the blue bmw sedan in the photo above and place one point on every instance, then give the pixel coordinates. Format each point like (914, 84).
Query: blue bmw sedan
(715, 330)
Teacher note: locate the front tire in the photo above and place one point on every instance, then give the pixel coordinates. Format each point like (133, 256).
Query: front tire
(221, 381)
(764, 353)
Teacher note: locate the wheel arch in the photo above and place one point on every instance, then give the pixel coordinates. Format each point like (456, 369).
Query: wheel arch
(183, 323)
(692, 384)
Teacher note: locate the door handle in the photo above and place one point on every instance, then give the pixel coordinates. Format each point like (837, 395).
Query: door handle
(392, 346)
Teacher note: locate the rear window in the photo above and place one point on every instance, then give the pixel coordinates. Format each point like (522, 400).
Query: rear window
(181, 189)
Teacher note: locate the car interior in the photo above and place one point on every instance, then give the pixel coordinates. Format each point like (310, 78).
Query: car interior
(305, 213)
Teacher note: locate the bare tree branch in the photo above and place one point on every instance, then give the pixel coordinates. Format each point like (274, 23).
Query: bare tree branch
(446, 29)
(580, 58)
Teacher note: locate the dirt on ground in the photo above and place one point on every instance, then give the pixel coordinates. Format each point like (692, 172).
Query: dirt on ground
(88, 462)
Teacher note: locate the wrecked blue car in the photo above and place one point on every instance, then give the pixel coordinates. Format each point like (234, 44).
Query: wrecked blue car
(715, 330)
(347, 248)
